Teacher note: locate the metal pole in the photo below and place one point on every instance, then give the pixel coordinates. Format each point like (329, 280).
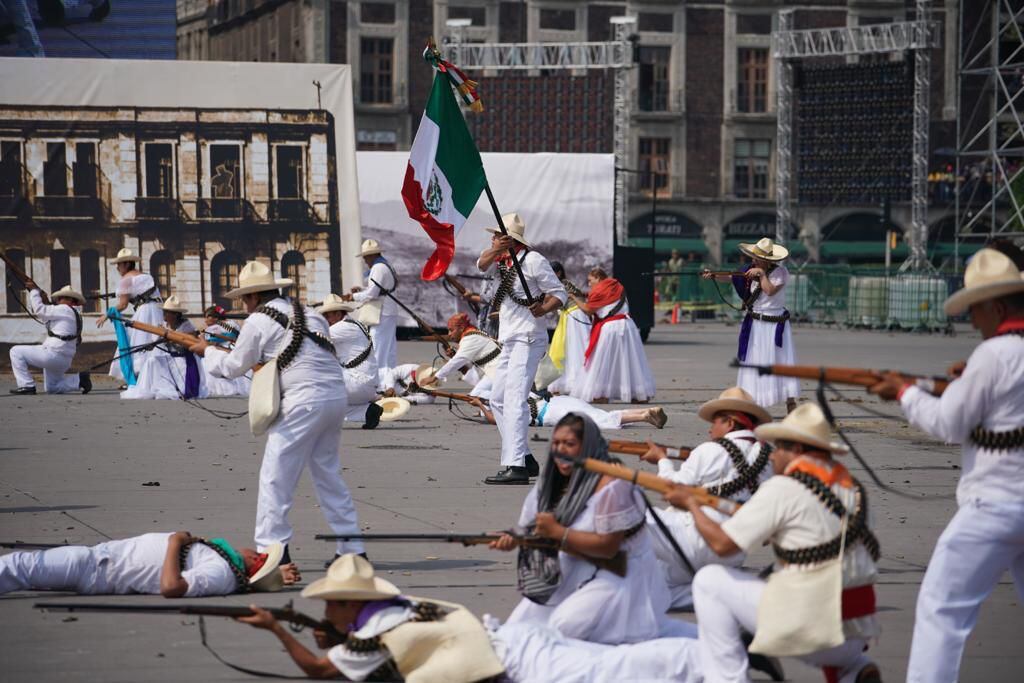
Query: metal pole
(783, 132)
(623, 28)
(919, 159)
(511, 250)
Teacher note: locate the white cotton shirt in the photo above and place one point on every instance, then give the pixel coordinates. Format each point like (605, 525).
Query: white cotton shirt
(349, 341)
(472, 347)
(774, 304)
(134, 285)
(515, 322)
(710, 465)
(315, 374)
(382, 274)
(357, 666)
(990, 393)
(133, 565)
(59, 318)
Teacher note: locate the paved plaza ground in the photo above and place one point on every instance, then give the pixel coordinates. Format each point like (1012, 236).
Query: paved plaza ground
(82, 469)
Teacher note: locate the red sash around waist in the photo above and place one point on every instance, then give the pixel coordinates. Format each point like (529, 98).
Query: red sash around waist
(595, 334)
(858, 602)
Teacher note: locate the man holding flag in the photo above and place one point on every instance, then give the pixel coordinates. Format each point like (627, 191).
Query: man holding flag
(443, 182)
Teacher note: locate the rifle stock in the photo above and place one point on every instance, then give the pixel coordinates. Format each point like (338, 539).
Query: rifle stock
(856, 376)
(447, 394)
(18, 273)
(640, 447)
(297, 619)
(461, 289)
(718, 273)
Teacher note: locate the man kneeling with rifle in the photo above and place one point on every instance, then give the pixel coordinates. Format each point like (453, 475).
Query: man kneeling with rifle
(174, 565)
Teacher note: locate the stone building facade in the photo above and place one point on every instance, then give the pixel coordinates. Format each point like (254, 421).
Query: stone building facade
(196, 192)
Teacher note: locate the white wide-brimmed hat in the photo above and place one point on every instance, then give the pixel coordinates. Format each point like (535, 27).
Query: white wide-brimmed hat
(426, 376)
(394, 407)
(333, 302)
(765, 249)
(268, 579)
(350, 577)
(806, 425)
(990, 275)
(515, 227)
(125, 255)
(734, 399)
(369, 248)
(256, 277)
(173, 303)
(69, 293)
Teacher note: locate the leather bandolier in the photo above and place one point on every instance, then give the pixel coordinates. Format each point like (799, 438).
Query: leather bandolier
(388, 671)
(747, 475)
(999, 441)
(365, 353)
(298, 325)
(488, 357)
(145, 297)
(76, 337)
(241, 579)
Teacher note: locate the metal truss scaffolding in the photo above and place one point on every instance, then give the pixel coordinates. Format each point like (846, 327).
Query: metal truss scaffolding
(616, 54)
(918, 36)
(990, 140)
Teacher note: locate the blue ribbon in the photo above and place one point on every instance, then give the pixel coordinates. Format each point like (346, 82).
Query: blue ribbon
(191, 376)
(123, 347)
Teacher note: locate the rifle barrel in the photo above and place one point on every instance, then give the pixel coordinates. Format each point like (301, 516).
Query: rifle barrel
(431, 332)
(447, 394)
(640, 447)
(30, 545)
(863, 377)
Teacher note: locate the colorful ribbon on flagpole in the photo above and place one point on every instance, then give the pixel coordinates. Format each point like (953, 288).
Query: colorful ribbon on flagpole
(123, 347)
(462, 83)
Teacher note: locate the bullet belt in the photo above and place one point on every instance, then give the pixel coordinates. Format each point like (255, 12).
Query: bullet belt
(998, 441)
(763, 317)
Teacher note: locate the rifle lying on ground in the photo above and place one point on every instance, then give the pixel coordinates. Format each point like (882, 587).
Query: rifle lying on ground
(27, 545)
(857, 376)
(296, 620)
(461, 289)
(640, 447)
(448, 394)
(616, 564)
(431, 333)
(652, 482)
(18, 273)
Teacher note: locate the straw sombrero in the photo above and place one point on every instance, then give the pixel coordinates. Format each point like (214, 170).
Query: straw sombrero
(806, 425)
(765, 249)
(268, 579)
(69, 293)
(256, 277)
(426, 376)
(369, 248)
(734, 399)
(173, 304)
(333, 302)
(394, 407)
(515, 227)
(350, 577)
(125, 255)
(990, 275)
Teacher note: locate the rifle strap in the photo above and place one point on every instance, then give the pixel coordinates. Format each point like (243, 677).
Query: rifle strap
(76, 337)
(365, 353)
(242, 669)
(667, 533)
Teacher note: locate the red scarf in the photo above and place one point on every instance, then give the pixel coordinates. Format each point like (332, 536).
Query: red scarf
(506, 258)
(1010, 325)
(257, 564)
(605, 292)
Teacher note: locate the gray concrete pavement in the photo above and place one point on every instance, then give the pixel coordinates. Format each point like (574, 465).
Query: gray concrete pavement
(73, 468)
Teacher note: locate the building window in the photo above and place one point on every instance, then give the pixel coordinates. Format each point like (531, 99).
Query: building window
(11, 184)
(224, 269)
(477, 15)
(654, 22)
(225, 171)
(289, 172)
(60, 268)
(161, 267)
(55, 170)
(558, 19)
(293, 267)
(375, 70)
(14, 286)
(377, 12)
(89, 267)
(652, 94)
(752, 80)
(654, 164)
(160, 169)
(84, 173)
(750, 168)
(757, 24)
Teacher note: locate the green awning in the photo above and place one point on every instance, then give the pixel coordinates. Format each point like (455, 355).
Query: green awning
(841, 248)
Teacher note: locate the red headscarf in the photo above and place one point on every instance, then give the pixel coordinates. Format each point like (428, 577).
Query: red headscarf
(257, 564)
(607, 291)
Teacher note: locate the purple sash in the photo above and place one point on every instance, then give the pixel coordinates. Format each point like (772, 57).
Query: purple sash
(191, 376)
(747, 325)
(375, 606)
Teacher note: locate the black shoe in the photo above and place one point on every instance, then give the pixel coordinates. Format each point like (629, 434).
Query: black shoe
(510, 475)
(24, 391)
(286, 558)
(373, 413)
(85, 382)
(532, 466)
(328, 563)
(769, 665)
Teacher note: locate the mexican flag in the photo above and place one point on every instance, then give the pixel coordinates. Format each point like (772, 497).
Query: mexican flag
(445, 175)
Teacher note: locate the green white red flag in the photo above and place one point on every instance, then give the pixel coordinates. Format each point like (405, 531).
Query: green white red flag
(445, 175)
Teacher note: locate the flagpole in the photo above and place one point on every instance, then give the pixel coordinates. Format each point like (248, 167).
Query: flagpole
(511, 250)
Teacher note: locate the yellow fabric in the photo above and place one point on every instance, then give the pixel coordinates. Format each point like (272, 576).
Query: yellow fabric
(557, 350)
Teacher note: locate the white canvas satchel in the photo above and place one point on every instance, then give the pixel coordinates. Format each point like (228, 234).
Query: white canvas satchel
(264, 398)
(369, 313)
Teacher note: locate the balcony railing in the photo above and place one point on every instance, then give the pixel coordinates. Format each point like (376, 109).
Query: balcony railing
(659, 101)
(158, 208)
(289, 209)
(56, 206)
(222, 209)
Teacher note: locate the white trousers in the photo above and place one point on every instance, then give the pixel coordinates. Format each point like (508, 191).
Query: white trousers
(305, 435)
(983, 541)
(725, 600)
(73, 568)
(54, 366)
(385, 345)
(513, 378)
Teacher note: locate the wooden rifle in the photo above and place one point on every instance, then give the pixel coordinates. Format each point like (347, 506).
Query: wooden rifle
(640, 447)
(715, 273)
(857, 376)
(100, 295)
(652, 482)
(616, 564)
(18, 273)
(431, 333)
(461, 289)
(179, 338)
(448, 394)
(297, 620)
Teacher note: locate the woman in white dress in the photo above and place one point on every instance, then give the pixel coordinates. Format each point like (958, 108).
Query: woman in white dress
(766, 337)
(140, 291)
(169, 371)
(615, 365)
(589, 515)
(219, 330)
(571, 338)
